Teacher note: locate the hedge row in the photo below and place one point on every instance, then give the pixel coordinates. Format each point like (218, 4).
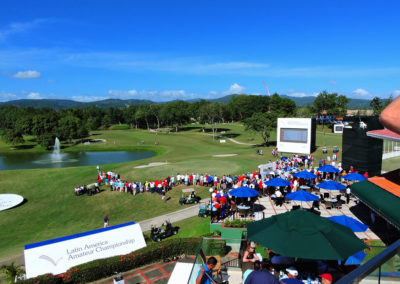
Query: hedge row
(237, 223)
(103, 268)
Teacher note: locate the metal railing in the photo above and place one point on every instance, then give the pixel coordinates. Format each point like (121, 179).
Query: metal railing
(232, 263)
(215, 247)
(373, 264)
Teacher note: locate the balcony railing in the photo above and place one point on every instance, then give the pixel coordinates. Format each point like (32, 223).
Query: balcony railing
(378, 269)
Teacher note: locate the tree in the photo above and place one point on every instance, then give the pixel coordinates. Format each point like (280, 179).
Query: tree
(376, 105)
(210, 113)
(281, 107)
(243, 106)
(264, 123)
(175, 113)
(154, 110)
(324, 102)
(68, 128)
(341, 106)
(12, 271)
(12, 136)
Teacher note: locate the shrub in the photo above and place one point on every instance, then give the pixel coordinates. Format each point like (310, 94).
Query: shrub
(119, 127)
(43, 279)
(237, 223)
(103, 268)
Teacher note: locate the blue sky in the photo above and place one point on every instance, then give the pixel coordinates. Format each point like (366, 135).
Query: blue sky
(164, 50)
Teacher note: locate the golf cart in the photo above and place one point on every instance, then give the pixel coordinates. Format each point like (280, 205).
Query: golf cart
(204, 211)
(192, 198)
(159, 233)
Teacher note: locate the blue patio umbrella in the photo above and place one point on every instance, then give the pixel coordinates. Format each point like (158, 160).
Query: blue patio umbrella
(352, 223)
(277, 182)
(354, 176)
(356, 258)
(301, 195)
(305, 174)
(331, 185)
(243, 192)
(328, 169)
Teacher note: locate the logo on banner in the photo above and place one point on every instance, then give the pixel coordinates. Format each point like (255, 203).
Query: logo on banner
(49, 259)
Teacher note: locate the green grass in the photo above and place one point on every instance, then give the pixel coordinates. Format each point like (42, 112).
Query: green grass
(190, 227)
(53, 211)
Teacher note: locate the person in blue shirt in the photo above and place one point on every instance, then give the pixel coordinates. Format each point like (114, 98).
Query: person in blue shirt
(261, 276)
(205, 272)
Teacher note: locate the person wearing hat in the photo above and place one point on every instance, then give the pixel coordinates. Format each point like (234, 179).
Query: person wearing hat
(292, 274)
(106, 221)
(250, 254)
(326, 278)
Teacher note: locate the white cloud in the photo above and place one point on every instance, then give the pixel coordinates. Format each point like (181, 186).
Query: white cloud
(5, 96)
(396, 93)
(19, 27)
(121, 94)
(88, 98)
(332, 82)
(153, 95)
(360, 92)
(234, 90)
(298, 94)
(196, 65)
(293, 93)
(34, 96)
(29, 74)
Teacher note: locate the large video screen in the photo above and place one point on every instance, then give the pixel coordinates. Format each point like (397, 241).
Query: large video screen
(296, 135)
(339, 128)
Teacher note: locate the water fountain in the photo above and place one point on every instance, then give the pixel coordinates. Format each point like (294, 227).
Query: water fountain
(56, 156)
(58, 159)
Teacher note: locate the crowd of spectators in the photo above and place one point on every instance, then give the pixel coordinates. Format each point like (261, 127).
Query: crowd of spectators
(222, 204)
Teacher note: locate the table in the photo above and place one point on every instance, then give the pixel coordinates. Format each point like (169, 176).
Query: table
(243, 207)
(305, 188)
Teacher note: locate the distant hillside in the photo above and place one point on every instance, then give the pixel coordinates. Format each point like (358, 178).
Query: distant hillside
(64, 104)
(54, 104)
(223, 100)
(305, 101)
(117, 103)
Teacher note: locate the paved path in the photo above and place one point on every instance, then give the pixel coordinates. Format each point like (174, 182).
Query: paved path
(185, 212)
(240, 143)
(179, 215)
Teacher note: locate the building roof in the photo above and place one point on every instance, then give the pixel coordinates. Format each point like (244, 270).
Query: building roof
(384, 134)
(382, 199)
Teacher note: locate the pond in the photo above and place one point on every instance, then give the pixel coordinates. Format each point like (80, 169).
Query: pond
(17, 161)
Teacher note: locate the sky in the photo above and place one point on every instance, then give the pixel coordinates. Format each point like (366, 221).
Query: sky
(167, 50)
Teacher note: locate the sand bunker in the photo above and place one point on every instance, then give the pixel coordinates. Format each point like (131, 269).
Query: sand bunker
(224, 155)
(156, 164)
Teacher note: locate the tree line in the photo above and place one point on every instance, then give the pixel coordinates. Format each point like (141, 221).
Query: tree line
(258, 113)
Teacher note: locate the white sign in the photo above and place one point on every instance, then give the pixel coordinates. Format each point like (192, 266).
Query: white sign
(222, 141)
(294, 135)
(58, 255)
(9, 200)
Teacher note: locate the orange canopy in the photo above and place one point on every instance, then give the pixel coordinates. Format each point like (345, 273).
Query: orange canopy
(386, 184)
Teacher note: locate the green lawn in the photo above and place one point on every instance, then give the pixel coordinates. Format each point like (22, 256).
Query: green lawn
(53, 211)
(190, 227)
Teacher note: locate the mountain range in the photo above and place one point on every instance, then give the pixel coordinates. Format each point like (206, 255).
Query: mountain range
(118, 103)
